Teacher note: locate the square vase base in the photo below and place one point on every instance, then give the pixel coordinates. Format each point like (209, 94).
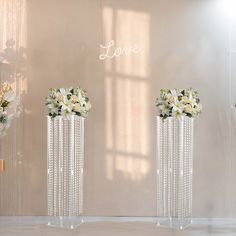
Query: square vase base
(174, 223)
(68, 222)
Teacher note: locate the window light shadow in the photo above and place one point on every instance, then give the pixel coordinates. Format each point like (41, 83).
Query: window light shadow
(127, 94)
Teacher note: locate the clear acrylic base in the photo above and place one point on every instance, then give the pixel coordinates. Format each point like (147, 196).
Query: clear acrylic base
(174, 223)
(65, 221)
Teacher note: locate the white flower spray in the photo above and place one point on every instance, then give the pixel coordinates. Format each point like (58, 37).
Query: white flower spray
(178, 102)
(67, 101)
(9, 104)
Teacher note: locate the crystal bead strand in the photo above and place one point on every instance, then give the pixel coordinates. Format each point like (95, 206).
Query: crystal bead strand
(60, 165)
(191, 165)
(69, 169)
(183, 173)
(71, 164)
(55, 169)
(188, 170)
(50, 165)
(159, 133)
(65, 165)
(185, 169)
(81, 166)
(171, 169)
(162, 194)
(180, 153)
(175, 169)
(178, 168)
(165, 180)
(77, 145)
(76, 177)
(74, 172)
(161, 167)
(169, 163)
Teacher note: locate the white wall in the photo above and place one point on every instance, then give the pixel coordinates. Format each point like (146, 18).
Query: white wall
(183, 43)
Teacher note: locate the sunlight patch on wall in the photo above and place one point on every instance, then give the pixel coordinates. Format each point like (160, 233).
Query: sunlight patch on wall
(132, 30)
(107, 22)
(127, 94)
(131, 116)
(131, 168)
(109, 112)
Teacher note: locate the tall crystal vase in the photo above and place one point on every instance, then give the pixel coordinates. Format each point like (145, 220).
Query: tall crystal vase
(174, 171)
(65, 170)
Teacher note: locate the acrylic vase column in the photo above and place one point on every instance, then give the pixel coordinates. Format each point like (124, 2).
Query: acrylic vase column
(65, 170)
(174, 171)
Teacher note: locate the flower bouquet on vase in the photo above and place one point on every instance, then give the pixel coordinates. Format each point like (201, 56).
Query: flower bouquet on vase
(8, 110)
(177, 109)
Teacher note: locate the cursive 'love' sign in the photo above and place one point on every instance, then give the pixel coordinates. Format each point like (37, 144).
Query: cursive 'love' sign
(111, 51)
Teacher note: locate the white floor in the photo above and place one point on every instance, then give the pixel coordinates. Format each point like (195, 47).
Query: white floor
(114, 226)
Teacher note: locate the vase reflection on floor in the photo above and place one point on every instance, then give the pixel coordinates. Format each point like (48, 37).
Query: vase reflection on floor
(174, 171)
(65, 170)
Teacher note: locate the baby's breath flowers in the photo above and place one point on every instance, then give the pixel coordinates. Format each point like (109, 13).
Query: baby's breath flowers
(178, 102)
(67, 101)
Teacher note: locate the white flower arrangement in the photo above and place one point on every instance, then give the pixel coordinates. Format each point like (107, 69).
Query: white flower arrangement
(8, 104)
(178, 103)
(67, 101)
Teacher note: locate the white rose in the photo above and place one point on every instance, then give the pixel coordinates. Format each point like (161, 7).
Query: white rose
(74, 99)
(188, 109)
(77, 107)
(60, 97)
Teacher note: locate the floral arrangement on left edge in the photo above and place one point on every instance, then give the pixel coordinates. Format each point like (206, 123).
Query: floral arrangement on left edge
(8, 106)
(67, 101)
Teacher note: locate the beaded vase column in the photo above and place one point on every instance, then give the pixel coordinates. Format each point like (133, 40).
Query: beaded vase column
(65, 170)
(174, 171)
